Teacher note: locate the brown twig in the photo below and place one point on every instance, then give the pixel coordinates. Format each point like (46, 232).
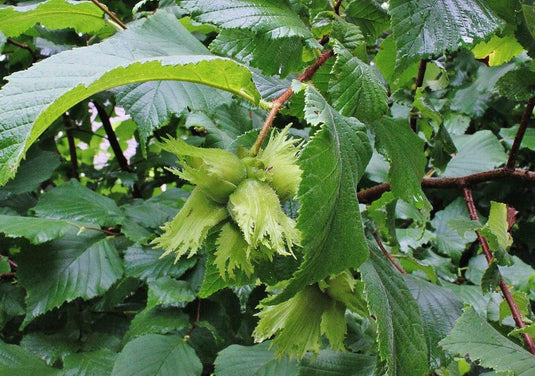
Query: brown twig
(373, 193)
(72, 147)
(281, 99)
(7, 275)
(112, 138)
(337, 7)
(104, 231)
(419, 82)
(387, 254)
(517, 316)
(110, 14)
(520, 133)
(197, 318)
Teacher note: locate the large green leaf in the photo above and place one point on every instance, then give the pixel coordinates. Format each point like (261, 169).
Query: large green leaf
(155, 49)
(329, 220)
(95, 363)
(400, 330)
(17, 361)
(74, 202)
(146, 264)
(153, 103)
(274, 18)
(36, 230)
(82, 266)
(35, 169)
(246, 47)
(157, 320)
(439, 310)
(157, 355)
(424, 28)
(356, 89)
(256, 360)
(331, 363)
(169, 292)
(478, 152)
(369, 16)
(82, 16)
(474, 336)
(405, 150)
(474, 99)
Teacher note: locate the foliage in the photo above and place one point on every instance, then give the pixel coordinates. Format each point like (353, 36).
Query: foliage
(267, 187)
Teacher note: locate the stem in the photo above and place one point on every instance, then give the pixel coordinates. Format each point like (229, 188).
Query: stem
(107, 232)
(387, 254)
(520, 133)
(112, 138)
(197, 318)
(278, 102)
(517, 316)
(373, 193)
(72, 147)
(110, 14)
(337, 7)
(419, 82)
(114, 143)
(7, 275)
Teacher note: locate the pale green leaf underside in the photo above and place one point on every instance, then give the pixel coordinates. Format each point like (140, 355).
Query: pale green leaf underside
(274, 18)
(82, 266)
(400, 332)
(478, 152)
(34, 98)
(329, 220)
(474, 336)
(155, 354)
(424, 28)
(83, 17)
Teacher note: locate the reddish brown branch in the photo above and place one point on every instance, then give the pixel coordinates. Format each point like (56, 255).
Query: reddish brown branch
(419, 82)
(387, 254)
(283, 98)
(110, 14)
(373, 193)
(520, 133)
(517, 316)
(7, 275)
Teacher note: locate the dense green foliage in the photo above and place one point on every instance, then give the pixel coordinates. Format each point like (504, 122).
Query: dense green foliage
(267, 187)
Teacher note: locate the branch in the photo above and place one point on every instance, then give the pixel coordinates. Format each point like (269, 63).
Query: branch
(517, 316)
(72, 147)
(387, 254)
(114, 143)
(110, 14)
(337, 7)
(278, 102)
(520, 133)
(7, 275)
(419, 82)
(112, 138)
(373, 193)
